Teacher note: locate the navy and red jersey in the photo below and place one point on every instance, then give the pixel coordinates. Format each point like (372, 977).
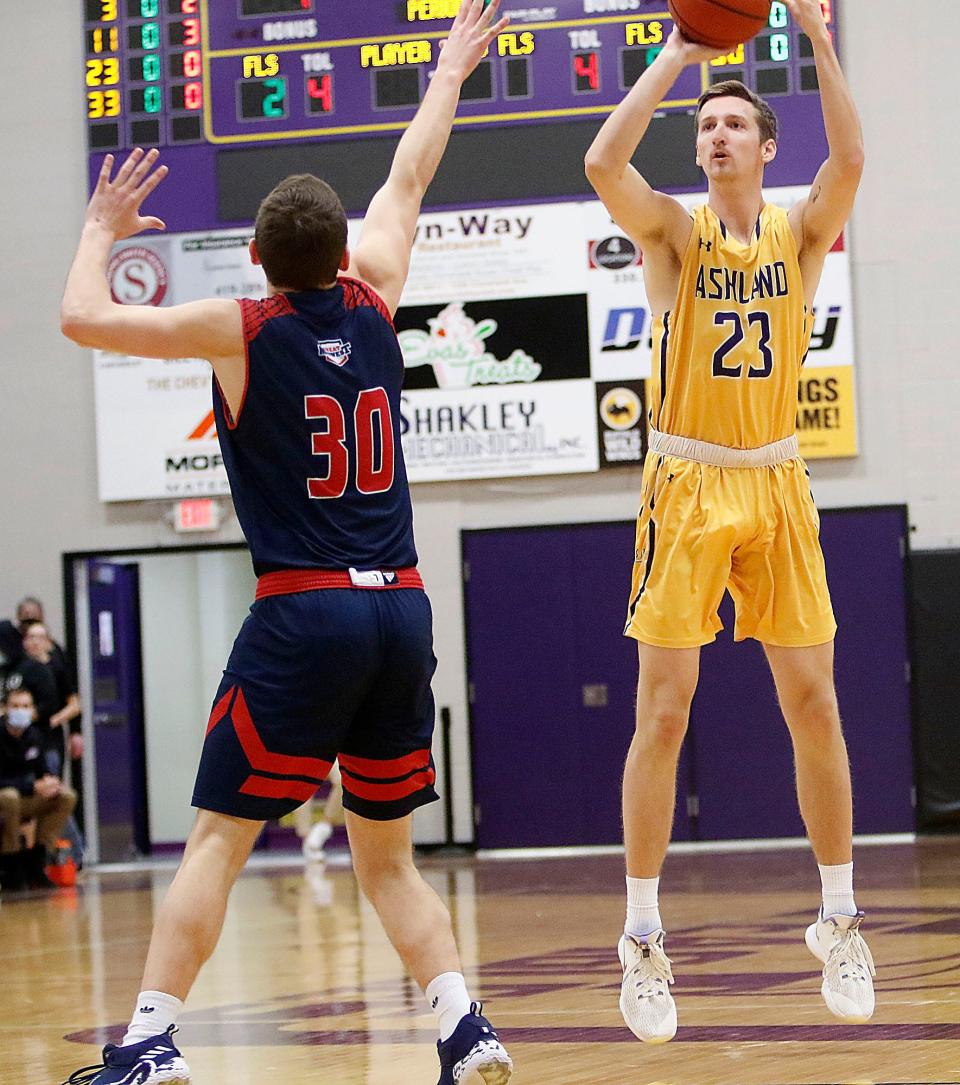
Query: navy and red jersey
(313, 455)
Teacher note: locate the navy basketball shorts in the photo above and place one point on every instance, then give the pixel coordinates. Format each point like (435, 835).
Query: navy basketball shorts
(316, 675)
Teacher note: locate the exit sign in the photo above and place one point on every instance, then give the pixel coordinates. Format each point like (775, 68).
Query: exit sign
(197, 514)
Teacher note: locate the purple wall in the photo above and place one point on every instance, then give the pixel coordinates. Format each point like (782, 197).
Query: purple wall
(545, 610)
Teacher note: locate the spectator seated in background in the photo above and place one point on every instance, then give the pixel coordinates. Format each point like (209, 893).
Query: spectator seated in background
(11, 649)
(30, 610)
(47, 676)
(27, 790)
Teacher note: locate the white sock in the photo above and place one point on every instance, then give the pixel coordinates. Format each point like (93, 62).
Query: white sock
(154, 1014)
(447, 997)
(837, 882)
(643, 911)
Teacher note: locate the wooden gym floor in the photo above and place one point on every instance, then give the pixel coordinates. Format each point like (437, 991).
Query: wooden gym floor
(305, 989)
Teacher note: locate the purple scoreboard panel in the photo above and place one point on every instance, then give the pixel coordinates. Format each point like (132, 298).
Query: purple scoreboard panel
(205, 80)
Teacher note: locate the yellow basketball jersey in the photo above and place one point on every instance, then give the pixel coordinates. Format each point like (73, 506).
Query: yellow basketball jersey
(727, 357)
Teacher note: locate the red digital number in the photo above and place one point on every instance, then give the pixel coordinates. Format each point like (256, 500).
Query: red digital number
(191, 31)
(193, 96)
(372, 410)
(370, 479)
(827, 6)
(586, 67)
(321, 90)
(188, 7)
(192, 64)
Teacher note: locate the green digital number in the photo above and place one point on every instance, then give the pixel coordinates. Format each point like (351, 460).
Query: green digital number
(151, 68)
(150, 36)
(273, 102)
(778, 15)
(779, 47)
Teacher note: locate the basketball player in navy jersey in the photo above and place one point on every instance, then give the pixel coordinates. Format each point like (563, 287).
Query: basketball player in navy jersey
(335, 659)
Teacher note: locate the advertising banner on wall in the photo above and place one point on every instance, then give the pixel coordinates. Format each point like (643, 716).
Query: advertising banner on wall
(156, 436)
(526, 335)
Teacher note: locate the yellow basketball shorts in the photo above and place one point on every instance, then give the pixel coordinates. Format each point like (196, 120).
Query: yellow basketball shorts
(751, 530)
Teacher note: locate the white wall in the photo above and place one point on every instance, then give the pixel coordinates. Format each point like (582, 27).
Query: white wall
(906, 294)
(171, 691)
(191, 606)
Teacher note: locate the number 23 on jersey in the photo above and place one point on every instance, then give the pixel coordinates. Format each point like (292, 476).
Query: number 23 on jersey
(734, 321)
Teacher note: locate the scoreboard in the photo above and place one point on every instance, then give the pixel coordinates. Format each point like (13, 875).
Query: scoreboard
(203, 79)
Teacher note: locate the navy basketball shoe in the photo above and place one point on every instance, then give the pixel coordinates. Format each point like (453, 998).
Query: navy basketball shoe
(151, 1062)
(473, 1055)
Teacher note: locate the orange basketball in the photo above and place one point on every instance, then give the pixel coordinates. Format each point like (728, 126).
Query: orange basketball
(721, 24)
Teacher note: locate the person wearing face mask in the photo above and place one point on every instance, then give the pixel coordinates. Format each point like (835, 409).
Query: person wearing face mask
(27, 790)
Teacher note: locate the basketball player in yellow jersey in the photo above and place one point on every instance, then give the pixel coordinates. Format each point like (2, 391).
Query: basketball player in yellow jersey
(726, 503)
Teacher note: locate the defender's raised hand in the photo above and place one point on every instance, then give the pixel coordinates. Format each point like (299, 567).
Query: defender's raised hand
(115, 205)
(471, 34)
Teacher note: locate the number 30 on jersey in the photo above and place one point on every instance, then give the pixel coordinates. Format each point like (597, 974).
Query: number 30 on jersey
(375, 455)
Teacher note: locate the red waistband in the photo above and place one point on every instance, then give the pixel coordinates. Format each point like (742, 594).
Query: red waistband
(291, 581)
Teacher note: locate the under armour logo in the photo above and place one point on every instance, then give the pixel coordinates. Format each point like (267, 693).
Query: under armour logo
(433, 1004)
(708, 245)
(147, 1009)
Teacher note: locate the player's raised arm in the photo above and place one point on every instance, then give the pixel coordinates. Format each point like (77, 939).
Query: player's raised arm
(648, 216)
(382, 256)
(818, 220)
(89, 315)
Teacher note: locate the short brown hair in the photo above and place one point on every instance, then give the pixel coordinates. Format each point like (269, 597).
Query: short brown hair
(11, 690)
(301, 233)
(733, 88)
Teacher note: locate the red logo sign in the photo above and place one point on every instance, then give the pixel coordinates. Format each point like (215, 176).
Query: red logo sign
(137, 276)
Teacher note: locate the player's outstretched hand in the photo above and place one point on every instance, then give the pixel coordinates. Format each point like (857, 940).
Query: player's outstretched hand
(691, 52)
(115, 205)
(471, 33)
(809, 16)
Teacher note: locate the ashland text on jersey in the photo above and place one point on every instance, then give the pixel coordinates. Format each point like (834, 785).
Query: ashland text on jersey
(727, 357)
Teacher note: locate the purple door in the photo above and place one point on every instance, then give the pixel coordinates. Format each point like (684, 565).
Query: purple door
(745, 781)
(866, 565)
(552, 684)
(552, 689)
(119, 744)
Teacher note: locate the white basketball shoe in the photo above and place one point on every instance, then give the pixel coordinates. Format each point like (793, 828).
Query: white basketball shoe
(645, 1000)
(316, 840)
(848, 966)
